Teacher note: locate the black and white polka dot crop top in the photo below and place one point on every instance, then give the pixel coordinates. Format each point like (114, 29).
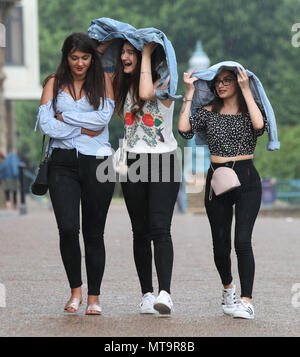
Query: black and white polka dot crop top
(224, 132)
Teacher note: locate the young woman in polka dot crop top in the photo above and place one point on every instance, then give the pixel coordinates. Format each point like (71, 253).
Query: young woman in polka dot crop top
(228, 135)
(232, 122)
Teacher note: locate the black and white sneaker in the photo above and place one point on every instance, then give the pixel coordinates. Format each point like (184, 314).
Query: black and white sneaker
(244, 310)
(146, 305)
(229, 300)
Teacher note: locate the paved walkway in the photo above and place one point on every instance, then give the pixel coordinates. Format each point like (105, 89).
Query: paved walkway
(32, 275)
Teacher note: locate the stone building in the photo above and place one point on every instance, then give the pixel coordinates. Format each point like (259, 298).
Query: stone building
(19, 64)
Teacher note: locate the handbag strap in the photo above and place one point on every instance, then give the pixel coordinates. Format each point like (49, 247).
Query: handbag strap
(240, 142)
(244, 133)
(48, 148)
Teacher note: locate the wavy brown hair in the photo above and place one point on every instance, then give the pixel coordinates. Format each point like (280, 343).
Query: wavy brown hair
(94, 83)
(123, 82)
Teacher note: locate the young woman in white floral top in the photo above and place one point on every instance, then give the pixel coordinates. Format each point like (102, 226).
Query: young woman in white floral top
(151, 198)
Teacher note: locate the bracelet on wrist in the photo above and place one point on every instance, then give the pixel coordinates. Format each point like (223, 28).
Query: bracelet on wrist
(187, 100)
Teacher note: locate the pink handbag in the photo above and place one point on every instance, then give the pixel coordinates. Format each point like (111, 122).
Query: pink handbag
(224, 179)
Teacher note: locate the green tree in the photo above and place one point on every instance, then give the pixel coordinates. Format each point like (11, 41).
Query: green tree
(29, 142)
(256, 33)
(284, 163)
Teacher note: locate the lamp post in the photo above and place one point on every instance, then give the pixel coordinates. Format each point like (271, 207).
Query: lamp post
(23, 208)
(199, 59)
(197, 62)
(195, 171)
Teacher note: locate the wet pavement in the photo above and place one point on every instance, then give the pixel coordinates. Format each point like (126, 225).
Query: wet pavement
(34, 288)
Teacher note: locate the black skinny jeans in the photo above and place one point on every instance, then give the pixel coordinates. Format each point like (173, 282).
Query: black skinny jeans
(150, 206)
(7, 196)
(247, 200)
(72, 180)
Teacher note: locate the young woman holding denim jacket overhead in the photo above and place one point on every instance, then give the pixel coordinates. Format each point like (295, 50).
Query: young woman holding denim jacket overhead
(150, 201)
(75, 109)
(232, 123)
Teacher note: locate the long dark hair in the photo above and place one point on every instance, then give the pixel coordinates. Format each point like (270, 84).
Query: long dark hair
(217, 103)
(123, 82)
(94, 83)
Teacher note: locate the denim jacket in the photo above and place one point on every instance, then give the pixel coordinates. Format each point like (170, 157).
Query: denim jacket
(204, 95)
(106, 29)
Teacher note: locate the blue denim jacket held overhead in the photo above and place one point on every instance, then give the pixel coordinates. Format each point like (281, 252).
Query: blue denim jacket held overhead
(204, 95)
(105, 29)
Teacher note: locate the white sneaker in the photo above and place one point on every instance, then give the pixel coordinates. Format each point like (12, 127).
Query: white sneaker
(229, 301)
(244, 310)
(163, 303)
(146, 305)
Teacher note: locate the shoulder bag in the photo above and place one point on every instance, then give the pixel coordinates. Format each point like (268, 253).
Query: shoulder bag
(40, 184)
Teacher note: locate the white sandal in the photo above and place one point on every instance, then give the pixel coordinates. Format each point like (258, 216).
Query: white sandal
(73, 303)
(93, 309)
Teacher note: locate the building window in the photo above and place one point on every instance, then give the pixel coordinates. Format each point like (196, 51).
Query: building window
(14, 50)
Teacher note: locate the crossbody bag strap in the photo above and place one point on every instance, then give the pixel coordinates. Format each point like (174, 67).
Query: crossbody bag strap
(43, 145)
(240, 142)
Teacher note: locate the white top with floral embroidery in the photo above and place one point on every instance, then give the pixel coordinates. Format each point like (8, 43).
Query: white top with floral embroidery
(153, 131)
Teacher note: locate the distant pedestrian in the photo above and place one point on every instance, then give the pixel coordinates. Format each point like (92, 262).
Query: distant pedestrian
(232, 123)
(9, 175)
(76, 107)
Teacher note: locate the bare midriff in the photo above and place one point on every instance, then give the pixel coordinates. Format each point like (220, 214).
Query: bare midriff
(221, 159)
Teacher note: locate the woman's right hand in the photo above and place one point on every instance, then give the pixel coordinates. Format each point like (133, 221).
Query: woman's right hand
(109, 85)
(184, 124)
(189, 81)
(91, 132)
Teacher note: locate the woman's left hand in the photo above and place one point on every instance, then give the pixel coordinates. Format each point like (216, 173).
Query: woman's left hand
(243, 79)
(149, 48)
(103, 46)
(59, 117)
